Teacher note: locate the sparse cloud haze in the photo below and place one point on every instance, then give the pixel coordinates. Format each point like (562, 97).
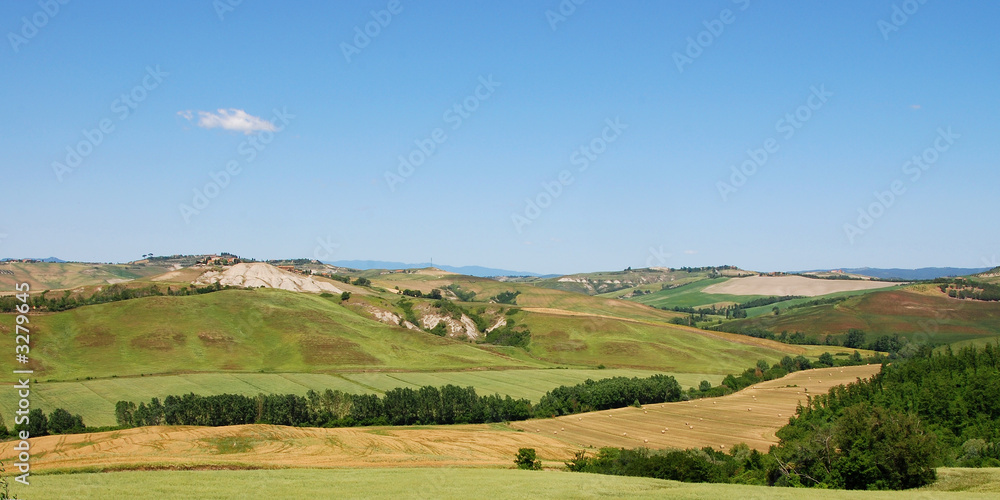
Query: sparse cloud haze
(233, 119)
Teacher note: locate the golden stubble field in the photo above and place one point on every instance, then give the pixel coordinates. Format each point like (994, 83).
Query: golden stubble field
(750, 416)
(267, 446)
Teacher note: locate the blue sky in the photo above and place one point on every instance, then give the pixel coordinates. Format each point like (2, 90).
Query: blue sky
(920, 84)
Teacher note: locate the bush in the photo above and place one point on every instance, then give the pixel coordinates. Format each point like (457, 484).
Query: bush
(507, 297)
(525, 459)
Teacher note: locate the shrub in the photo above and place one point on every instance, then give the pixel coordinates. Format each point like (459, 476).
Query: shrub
(525, 459)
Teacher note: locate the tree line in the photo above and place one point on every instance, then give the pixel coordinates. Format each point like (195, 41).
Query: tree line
(608, 393)
(401, 406)
(331, 408)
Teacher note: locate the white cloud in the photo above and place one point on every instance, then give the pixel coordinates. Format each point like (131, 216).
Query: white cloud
(229, 119)
(691, 252)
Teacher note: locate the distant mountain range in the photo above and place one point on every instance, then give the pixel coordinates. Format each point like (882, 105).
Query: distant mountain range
(49, 259)
(478, 271)
(924, 273)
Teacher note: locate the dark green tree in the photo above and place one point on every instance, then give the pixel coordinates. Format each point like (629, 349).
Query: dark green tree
(526, 459)
(855, 339)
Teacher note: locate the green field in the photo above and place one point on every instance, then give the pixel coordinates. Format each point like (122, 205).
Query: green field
(450, 483)
(95, 399)
(691, 295)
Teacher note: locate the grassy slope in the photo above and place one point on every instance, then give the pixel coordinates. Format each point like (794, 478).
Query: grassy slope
(58, 276)
(269, 330)
(593, 340)
(569, 328)
(442, 484)
(531, 296)
(236, 330)
(95, 399)
(919, 312)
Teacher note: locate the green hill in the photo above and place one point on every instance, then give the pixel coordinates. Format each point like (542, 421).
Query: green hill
(919, 312)
(234, 330)
(64, 275)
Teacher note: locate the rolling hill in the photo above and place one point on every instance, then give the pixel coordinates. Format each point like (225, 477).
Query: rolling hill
(918, 312)
(66, 275)
(235, 330)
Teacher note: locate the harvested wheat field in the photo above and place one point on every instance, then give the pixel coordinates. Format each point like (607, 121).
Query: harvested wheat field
(791, 285)
(750, 416)
(266, 446)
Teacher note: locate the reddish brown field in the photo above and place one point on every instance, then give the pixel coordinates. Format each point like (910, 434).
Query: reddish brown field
(921, 313)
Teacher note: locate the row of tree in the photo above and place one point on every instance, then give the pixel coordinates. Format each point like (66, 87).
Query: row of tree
(608, 393)
(332, 408)
(402, 406)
